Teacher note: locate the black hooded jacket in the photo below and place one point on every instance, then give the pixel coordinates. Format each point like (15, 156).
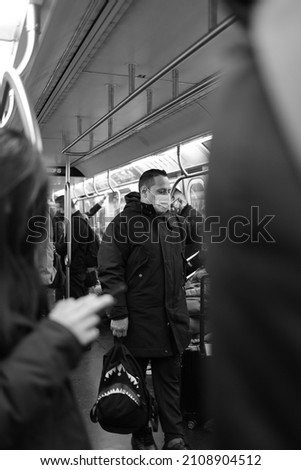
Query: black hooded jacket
(37, 407)
(146, 252)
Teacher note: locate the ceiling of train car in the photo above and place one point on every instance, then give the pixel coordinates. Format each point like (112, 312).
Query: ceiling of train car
(92, 50)
(194, 155)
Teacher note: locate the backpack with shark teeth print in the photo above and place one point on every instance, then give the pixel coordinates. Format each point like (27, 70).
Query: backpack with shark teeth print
(124, 403)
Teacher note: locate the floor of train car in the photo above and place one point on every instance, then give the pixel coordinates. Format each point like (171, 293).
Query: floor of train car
(85, 381)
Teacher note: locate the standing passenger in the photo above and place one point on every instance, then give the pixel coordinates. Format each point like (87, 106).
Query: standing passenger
(79, 246)
(37, 405)
(143, 247)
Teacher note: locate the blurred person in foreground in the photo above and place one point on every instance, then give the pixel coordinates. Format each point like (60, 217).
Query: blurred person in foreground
(37, 406)
(254, 247)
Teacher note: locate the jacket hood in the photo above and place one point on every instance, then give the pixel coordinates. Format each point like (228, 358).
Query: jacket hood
(133, 196)
(133, 203)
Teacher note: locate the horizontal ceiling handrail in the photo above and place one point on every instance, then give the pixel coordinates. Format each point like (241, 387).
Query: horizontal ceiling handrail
(208, 82)
(183, 56)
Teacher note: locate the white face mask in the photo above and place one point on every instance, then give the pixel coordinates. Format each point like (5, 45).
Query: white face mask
(161, 202)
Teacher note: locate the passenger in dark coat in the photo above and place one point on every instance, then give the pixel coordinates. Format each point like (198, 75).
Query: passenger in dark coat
(143, 247)
(37, 406)
(254, 190)
(79, 246)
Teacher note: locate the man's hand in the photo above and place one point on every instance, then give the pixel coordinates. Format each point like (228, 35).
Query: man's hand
(119, 328)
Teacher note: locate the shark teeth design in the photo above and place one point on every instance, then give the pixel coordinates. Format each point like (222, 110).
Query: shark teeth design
(119, 390)
(118, 370)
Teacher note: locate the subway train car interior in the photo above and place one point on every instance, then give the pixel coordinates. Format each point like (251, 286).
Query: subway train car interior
(106, 90)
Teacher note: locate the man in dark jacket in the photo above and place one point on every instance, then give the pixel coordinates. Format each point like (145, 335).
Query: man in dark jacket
(79, 245)
(143, 247)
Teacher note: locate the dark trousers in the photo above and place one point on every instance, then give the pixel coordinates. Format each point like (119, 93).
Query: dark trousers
(77, 285)
(166, 375)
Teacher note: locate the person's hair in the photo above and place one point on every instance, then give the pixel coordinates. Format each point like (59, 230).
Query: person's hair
(23, 197)
(241, 9)
(61, 200)
(147, 178)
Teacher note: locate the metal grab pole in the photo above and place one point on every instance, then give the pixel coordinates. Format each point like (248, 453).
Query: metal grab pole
(68, 214)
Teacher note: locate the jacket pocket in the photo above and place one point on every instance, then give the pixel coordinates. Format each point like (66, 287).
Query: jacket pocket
(137, 260)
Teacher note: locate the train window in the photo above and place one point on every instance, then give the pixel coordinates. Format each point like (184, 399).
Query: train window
(114, 206)
(88, 204)
(80, 205)
(197, 196)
